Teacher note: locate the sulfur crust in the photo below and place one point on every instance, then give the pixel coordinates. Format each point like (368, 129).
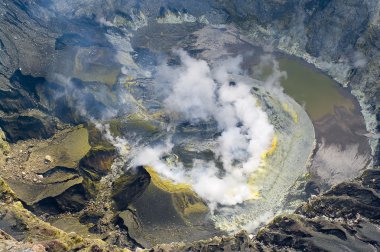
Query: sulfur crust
(272, 148)
(185, 200)
(291, 112)
(167, 185)
(261, 171)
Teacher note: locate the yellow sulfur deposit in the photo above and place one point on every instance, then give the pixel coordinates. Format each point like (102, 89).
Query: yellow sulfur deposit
(184, 199)
(129, 82)
(271, 150)
(188, 204)
(255, 194)
(262, 170)
(165, 184)
(290, 111)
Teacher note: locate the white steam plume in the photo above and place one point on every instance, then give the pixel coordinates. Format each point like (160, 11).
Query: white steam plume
(197, 93)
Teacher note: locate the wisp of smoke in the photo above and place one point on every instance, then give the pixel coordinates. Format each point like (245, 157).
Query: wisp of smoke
(78, 100)
(198, 92)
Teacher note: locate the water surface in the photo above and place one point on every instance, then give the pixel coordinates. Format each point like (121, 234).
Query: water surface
(342, 149)
(318, 93)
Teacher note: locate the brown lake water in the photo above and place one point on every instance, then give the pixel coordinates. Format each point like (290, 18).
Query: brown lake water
(342, 150)
(318, 93)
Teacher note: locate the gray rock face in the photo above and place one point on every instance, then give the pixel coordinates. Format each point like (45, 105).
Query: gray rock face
(340, 37)
(25, 42)
(333, 28)
(263, 12)
(349, 211)
(31, 52)
(24, 45)
(28, 125)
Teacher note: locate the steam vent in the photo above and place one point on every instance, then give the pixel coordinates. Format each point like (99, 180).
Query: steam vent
(171, 125)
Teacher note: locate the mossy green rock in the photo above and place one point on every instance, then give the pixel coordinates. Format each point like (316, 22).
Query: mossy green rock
(6, 193)
(97, 162)
(21, 224)
(66, 150)
(128, 187)
(4, 146)
(53, 164)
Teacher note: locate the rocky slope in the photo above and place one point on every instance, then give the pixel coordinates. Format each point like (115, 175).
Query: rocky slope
(346, 218)
(23, 231)
(69, 167)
